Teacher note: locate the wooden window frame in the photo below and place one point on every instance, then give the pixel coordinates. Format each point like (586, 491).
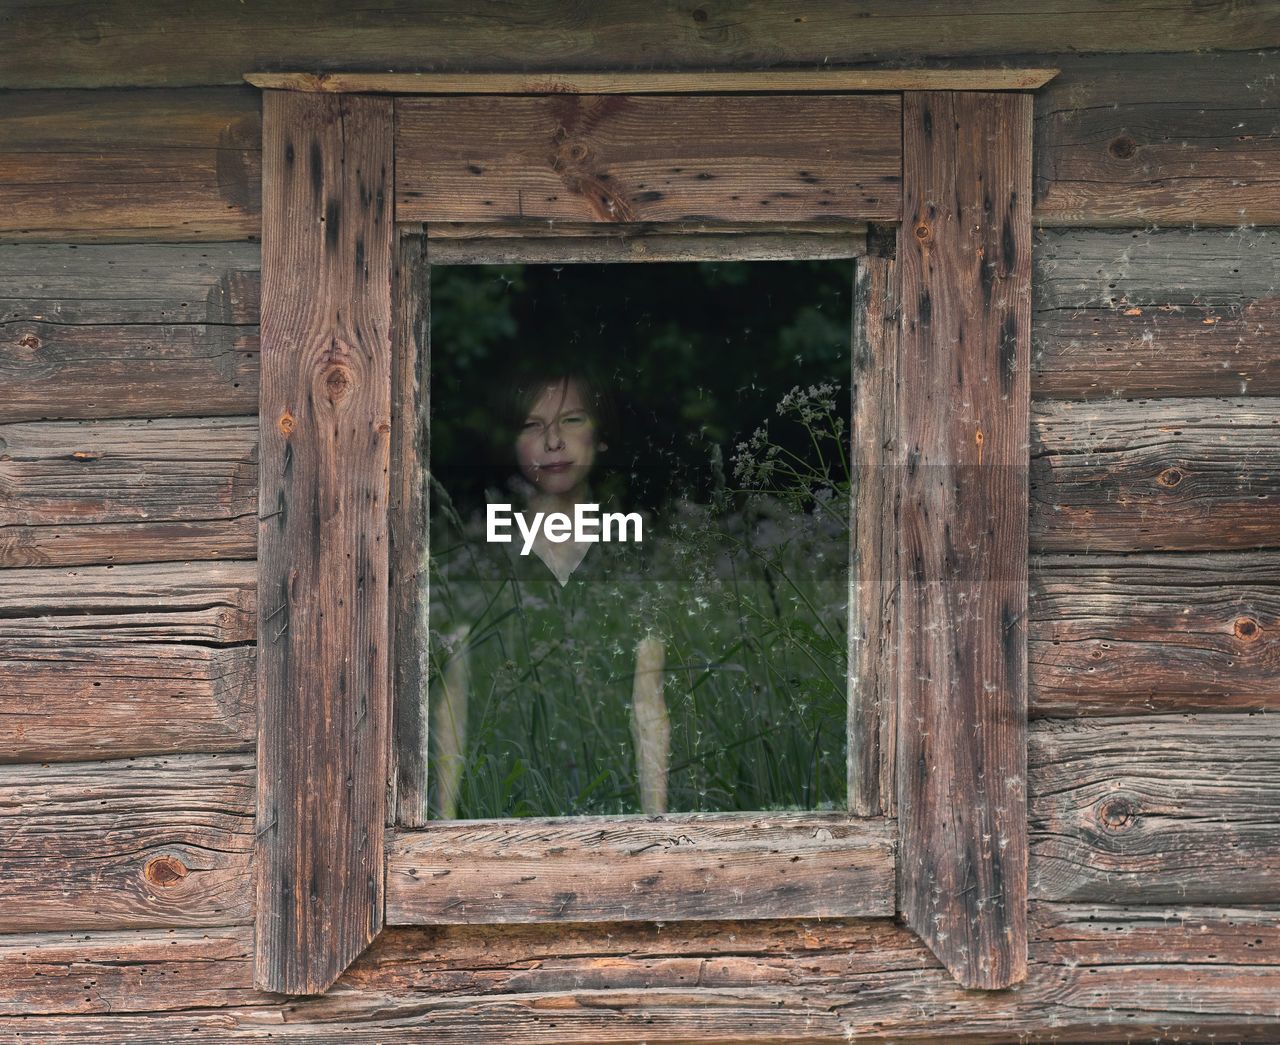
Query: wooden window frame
(352, 167)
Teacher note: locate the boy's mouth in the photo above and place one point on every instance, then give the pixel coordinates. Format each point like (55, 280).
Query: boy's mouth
(556, 467)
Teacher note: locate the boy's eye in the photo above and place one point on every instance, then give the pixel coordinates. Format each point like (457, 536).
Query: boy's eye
(574, 419)
(528, 426)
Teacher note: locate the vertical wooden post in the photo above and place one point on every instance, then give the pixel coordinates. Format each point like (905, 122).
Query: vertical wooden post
(873, 636)
(963, 408)
(410, 567)
(323, 701)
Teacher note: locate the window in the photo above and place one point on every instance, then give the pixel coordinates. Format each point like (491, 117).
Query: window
(685, 649)
(939, 417)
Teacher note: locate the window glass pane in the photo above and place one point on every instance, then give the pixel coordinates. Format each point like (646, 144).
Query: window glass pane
(639, 537)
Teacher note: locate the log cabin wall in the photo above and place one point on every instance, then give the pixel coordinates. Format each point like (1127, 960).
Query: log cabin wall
(129, 277)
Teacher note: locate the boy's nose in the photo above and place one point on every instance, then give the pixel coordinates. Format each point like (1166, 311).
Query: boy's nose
(552, 439)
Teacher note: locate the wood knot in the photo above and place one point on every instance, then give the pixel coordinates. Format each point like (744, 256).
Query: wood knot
(337, 382)
(86, 455)
(1246, 628)
(384, 427)
(1169, 478)
(1117, 813)
(286, 424)
(699, 15)
(164, 871)
(29, 341)
(1123, 147)
(923, 232)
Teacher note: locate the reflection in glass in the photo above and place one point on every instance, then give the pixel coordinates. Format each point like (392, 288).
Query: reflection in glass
(639, 538)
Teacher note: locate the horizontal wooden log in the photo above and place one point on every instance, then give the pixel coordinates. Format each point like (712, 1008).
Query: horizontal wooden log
(1157, 313)
(667, 869)
(638, 249)
(179, 165)
(1155, 475)
(118, 44)
(215, 284)
(53, 372)
(1098, 973)
(1119, 635)
(1160, 809)
(126, 660)
(650, 82)
(1139, 140)
(149, 970)
(128, 330)
(138, 843)
(626, 159)
(128, 491)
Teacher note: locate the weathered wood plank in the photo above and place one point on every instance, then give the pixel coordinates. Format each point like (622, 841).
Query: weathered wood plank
(410, 459)
(121, 44)
(147, 970)
(51, 371)
(126, 661)
(323, 658)
(1139, 140)
(641, 869)
(1119, 635)
(148, 842)
(128, 330)
(649, 82)
(638, 249)
(960, 462)
(86, 284)
(118, 165)
(1118, 935)
(127, 491)
(1098, 974)
(1159, 313)
(1159, 809)
(873, 613)
(626, 159)
(1155, 475)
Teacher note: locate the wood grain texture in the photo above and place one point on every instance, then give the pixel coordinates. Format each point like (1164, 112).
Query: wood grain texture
(410, 555)
(627, 159)
(965, 265)
(163, 44)
(1155, 475)
(103, 662)
(1158, 809)
(143, 843)
(1169, 312)
(126, 165)
(128, 330)
(648, 82)
(323, 659)
(1121, 635)
(1098, 973)
(873, 659)
(214, 284)
(1122, 140)
(667, 868)
(149, 970)
(127, 491)
(637, 249)
(1159, 139)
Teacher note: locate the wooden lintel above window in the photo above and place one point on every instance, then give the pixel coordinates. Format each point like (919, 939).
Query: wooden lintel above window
(772, 82)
